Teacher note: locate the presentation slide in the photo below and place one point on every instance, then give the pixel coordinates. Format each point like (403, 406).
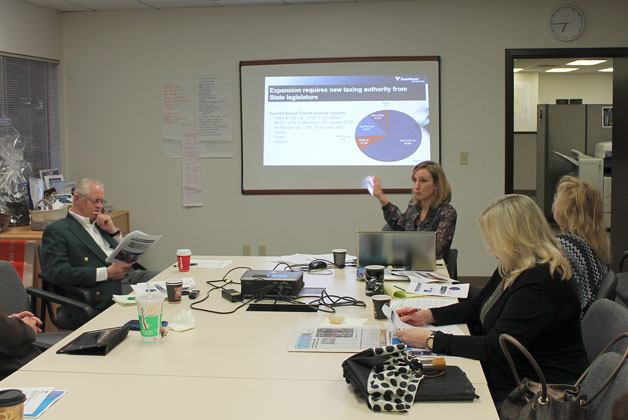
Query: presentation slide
(346, 120)
(325, 126)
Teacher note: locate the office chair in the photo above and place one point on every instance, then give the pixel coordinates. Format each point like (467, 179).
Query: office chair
(59, 316)
(451, 261)
(621, 290)
(607, 286)
(601, 369)
(604, 321)
(15, 298)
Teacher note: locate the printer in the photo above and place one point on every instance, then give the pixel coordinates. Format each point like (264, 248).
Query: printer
(596, 170)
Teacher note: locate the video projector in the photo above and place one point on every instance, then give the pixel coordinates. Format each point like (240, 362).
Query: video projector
(270, 283)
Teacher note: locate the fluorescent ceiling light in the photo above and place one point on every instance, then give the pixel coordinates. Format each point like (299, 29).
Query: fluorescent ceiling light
(608, 70)
(516, 70)
(586, 62)
(561, 70)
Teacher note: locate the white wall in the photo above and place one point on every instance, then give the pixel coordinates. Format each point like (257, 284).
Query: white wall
(115, 62)
(28, 29)
(591, 88)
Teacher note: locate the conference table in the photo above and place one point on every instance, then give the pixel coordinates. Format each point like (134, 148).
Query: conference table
(234, 366)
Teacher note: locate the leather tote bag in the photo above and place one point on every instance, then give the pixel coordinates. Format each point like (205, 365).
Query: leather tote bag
(532, 400)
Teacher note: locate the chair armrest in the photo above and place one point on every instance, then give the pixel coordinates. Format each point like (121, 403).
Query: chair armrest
(61, 300)
(621, 261)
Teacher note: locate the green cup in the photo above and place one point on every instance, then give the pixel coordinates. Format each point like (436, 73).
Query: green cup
(149, 310)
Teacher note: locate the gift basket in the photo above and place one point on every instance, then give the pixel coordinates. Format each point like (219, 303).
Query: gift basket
(14, 171)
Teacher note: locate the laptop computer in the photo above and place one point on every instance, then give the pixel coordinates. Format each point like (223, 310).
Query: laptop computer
(400, 249)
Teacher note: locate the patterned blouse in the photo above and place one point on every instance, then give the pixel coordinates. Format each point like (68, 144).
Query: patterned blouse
(588, 270)
(441, 220)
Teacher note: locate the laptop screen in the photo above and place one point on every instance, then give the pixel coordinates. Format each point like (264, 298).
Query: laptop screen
(408, 250)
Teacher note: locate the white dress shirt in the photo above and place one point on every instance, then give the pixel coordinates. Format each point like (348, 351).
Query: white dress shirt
(90, 227)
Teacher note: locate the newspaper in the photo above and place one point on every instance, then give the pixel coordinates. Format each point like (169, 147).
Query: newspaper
(131, 248)
(339, 339)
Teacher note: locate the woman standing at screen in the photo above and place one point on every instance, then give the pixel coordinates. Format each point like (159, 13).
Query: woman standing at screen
(428, 209)
(578, 210)
(530, 296)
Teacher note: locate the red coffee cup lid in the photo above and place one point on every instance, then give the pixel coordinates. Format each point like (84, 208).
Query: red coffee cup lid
(11, 397)
(184, 252)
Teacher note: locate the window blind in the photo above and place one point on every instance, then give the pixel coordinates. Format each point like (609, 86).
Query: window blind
(29, 98)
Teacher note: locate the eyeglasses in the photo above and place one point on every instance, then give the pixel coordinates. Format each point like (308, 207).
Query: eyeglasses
(94, 201)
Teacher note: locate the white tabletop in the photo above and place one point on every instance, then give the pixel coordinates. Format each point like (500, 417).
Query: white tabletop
(224, 356)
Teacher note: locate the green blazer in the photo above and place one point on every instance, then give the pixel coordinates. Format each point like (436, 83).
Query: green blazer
(70, 257)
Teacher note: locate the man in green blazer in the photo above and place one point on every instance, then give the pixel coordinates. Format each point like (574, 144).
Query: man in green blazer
(74, 250)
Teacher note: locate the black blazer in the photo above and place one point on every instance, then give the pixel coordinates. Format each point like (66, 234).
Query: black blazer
(541, 311)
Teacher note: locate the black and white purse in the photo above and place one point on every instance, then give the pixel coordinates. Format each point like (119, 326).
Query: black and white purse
(392, 379)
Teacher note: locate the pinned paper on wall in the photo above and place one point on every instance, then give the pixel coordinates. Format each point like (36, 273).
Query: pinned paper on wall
(203, 103)
(192, 189)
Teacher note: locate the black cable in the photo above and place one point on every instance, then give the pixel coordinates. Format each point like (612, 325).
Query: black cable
(220, 286)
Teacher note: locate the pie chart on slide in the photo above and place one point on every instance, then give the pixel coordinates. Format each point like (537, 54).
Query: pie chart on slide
(388, 135)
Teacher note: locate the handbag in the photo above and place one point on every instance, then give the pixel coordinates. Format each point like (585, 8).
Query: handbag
(391, 379)
(542, 401)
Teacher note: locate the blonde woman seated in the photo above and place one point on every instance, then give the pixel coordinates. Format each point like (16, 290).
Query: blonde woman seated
(429, 208)
(578, 210)
(530, 296)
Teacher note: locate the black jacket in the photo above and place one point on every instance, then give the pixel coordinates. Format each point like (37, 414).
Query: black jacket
(16, 345)
(542, 312)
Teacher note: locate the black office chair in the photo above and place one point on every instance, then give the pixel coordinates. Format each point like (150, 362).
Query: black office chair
(451, 261)
(64, 317)
(15, 298)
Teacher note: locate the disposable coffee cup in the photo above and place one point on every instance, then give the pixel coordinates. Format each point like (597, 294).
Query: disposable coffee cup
(149, 311)
(174, 288)
(12, 404)
(378, 303)
(374, 280)
(183, 259)
(340, 256)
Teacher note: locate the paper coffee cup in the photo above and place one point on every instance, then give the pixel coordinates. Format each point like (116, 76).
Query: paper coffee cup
(340, 256)
(374, 280)
(378, 303)
(174, 288)
(183, 259)
(12, 404)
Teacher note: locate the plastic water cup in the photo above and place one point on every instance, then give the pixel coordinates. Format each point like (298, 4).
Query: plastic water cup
(183, 259)
(149, 311)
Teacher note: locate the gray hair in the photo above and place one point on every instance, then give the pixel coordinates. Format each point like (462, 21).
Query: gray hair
(83, 187)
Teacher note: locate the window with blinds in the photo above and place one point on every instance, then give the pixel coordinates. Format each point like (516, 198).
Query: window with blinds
(29, 98)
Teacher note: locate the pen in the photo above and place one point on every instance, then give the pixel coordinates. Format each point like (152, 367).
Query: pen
(191, 265)
(400, 288)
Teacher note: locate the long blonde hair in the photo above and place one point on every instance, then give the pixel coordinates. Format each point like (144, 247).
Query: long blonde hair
(578, 208)
(519, 236)
(442, 192)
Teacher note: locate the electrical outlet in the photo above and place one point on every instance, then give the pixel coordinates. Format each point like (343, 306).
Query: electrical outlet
(261, 250)
(246, 250)
(464, 158)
